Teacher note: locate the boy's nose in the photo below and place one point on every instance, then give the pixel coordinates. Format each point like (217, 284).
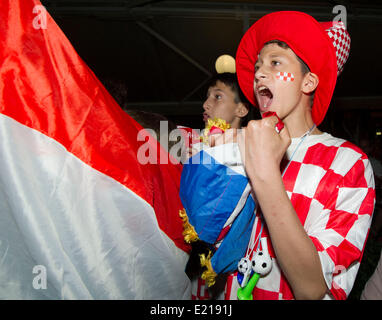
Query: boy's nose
(260, 73)
(206, 105)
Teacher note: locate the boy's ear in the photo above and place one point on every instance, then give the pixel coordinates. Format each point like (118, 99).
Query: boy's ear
(310, 83)
(241, 110)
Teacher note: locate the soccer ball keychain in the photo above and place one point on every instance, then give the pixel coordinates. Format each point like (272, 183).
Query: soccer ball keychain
(244, 266)
(261, 265)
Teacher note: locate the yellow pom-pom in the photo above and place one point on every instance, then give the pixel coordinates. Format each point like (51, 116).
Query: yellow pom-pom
(208, 275)
(225, 63)
(189, 233)
(219, 123)
(216, 122)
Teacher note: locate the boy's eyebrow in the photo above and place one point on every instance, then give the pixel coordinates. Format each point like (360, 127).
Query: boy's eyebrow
(277, 55)
(273, 55)
(214, 89)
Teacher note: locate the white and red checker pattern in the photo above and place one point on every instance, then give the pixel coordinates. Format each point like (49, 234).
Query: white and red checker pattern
(285, 76)
(335, 209)
(341, 42)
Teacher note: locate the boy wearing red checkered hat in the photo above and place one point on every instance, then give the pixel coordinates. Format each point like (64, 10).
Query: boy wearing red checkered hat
(315, 191)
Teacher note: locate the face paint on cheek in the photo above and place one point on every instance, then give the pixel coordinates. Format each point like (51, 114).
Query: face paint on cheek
(285, 76)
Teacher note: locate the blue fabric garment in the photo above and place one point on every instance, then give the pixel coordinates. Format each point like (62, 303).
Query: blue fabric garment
(234, 244)
(210, 192)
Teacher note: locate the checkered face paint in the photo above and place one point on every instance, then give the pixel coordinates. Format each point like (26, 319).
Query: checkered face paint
(285, 76)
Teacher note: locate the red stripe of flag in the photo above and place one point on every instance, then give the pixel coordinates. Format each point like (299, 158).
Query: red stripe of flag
(46, 86)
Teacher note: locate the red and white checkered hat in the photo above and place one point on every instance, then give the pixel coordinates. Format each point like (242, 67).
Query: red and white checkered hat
(324, 47)
(341, 41)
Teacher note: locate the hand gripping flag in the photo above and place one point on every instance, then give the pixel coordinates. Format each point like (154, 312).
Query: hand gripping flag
(219, 209)
(81, 217)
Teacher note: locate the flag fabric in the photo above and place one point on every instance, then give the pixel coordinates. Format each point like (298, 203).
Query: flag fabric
(80, 216)
(215, 192)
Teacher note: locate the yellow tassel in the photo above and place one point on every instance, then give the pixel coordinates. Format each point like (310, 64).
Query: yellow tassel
(189, 233)
(216, 122)
(209, 275)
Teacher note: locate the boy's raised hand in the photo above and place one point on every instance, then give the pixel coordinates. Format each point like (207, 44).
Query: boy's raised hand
(262, 148)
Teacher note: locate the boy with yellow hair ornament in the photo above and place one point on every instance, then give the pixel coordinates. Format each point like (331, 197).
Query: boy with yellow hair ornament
(219, 210)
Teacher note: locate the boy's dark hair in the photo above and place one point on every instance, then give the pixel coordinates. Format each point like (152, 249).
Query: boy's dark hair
(230, 80)
(304, 67)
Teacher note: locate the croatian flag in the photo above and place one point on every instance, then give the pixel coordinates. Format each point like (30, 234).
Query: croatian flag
(81, 217)
(216, 195)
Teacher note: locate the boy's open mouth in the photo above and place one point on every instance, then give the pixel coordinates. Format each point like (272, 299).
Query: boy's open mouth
(264, 96)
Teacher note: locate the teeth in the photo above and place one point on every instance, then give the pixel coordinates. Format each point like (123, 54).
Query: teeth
(264, 91)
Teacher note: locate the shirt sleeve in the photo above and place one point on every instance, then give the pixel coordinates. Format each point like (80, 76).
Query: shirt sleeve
(341, 221)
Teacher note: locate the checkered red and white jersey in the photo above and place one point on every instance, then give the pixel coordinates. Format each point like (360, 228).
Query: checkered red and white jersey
(331, 186)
